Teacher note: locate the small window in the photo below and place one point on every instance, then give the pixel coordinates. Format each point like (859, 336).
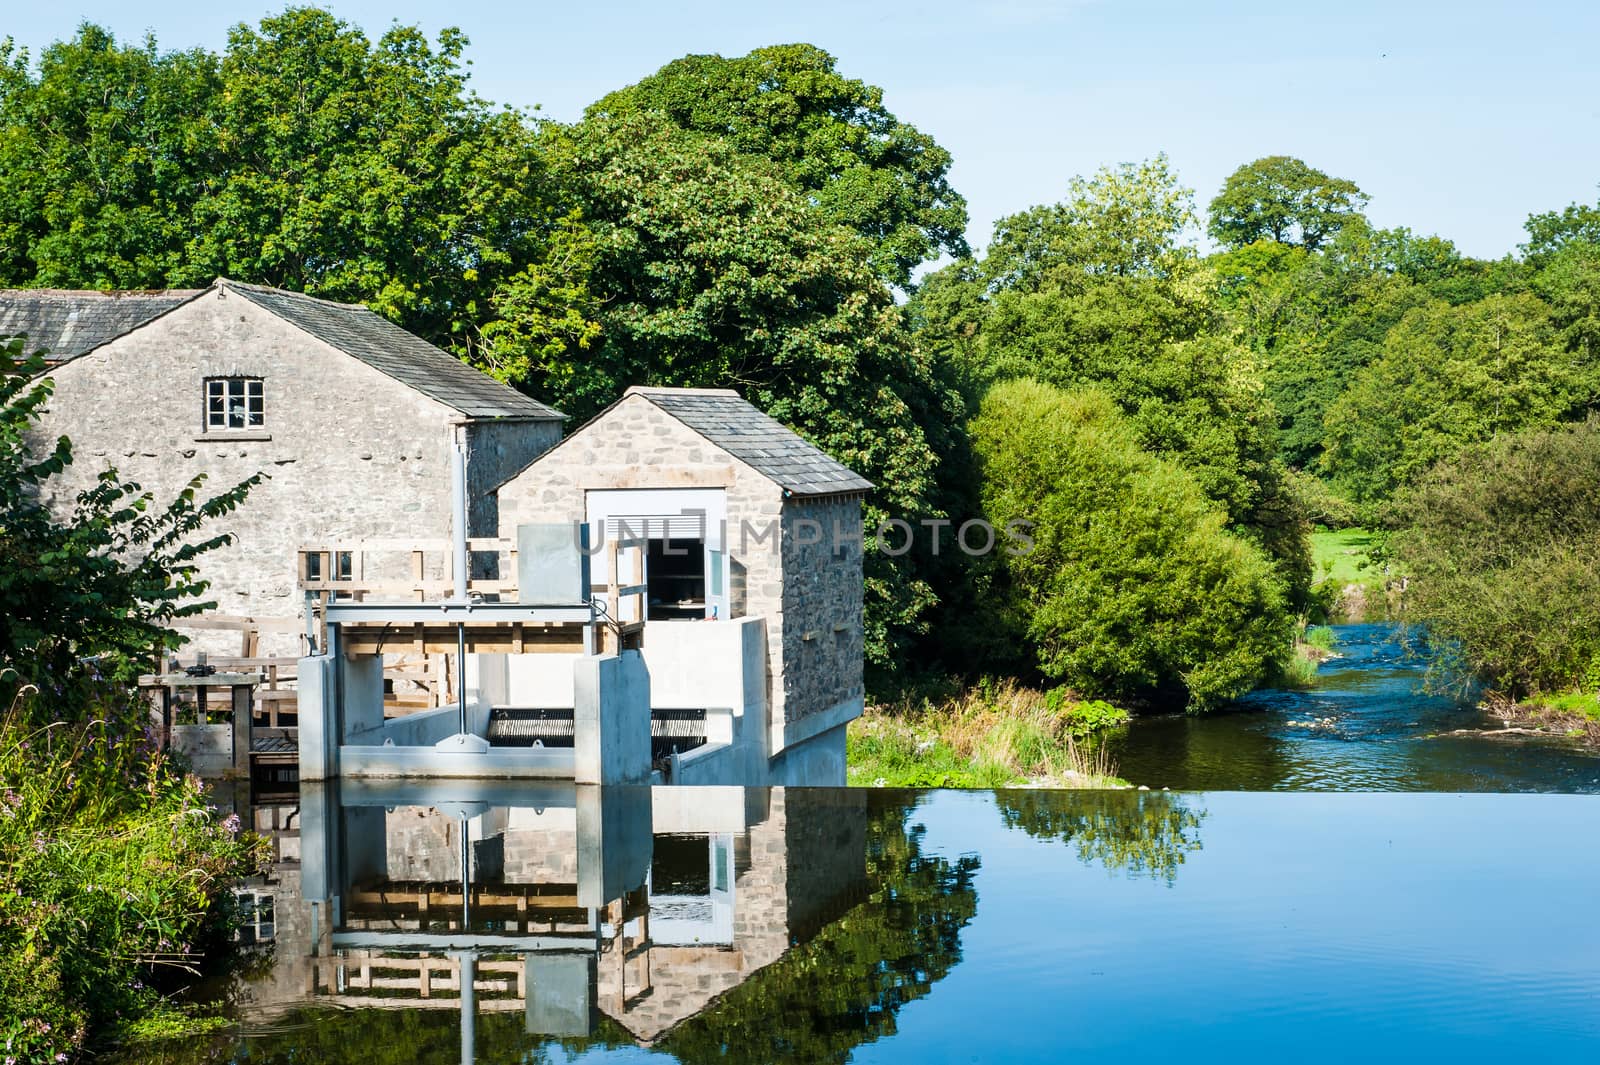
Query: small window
(234, 403)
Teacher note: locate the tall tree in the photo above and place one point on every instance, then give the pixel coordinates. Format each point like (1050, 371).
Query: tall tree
(1126, 221)
(105, 150)
(1449, 377)
(1281, 198)
(714, 271)
(830, 136)
(1133, 587)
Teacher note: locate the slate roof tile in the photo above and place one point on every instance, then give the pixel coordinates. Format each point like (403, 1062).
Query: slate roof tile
(763, 443)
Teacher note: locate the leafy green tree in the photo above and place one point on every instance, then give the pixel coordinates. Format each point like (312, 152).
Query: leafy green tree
(1125, 221)
(105, 582)
(105, 151)
(829, 135)
(1551, 231)
(1503, 545)
(713, 271)
(308, 157)
(1281, 198)
(1449, 377)
(368, 171)
(1133, 587)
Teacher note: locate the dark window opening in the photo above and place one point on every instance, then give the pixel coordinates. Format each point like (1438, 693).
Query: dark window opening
(679, 865)
(675, 571)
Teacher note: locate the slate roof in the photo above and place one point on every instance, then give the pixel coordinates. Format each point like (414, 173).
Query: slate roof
(391, 350)
(69, 324)
(66, 324)
(765, 444)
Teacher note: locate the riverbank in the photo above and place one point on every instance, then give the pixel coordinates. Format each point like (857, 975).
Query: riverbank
(1575, 715)
(116, 876)
(994, 734)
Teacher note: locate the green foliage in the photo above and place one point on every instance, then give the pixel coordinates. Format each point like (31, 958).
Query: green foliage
(1140, 834)
(716, 273)
(1448, 377)
(1320, 637)
(1133, 586)
(1282, 199)
(306, 156)
(105, 152)
(1550, 232)
(1503, 546)
(830, 137)
(1125, 221)
(106, 582)
(114, 876)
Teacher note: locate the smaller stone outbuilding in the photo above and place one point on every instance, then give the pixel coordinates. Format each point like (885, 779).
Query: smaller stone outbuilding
(753, 566)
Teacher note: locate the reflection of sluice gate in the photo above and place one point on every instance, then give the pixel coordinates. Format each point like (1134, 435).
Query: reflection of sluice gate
(672, 731)
(564, 903)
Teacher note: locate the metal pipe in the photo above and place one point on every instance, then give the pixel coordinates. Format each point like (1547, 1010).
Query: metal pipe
(458, 522)
(461, 678)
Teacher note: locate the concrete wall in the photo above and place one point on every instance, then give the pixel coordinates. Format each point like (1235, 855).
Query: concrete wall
(611, 720)
(352, 454)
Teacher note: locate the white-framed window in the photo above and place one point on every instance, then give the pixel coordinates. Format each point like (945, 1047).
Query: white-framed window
(234, 403)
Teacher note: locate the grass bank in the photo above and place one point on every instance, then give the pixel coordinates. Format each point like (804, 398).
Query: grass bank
(994, 734)
(1349, 581)
(115, 878)
(1312, 647)
(1575, 714)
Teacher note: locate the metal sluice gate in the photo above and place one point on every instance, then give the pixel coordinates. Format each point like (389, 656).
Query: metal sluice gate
(527, 726)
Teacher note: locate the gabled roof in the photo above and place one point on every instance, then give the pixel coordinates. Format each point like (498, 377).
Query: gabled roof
(391, 350)
(66, 324)
(70, 324)
(762, 443)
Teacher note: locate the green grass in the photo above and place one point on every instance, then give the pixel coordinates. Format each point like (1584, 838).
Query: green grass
(992, 735)
(1585, 704)
(1341, 555)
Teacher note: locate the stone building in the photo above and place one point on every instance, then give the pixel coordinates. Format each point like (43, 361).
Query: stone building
(351, 418)
(754, 542)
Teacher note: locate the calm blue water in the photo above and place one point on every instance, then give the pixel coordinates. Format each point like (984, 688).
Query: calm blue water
(1374, 730)
(912, 927)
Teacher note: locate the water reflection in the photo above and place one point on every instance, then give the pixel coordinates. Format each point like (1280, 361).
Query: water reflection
(475, 922)
(1139, 833)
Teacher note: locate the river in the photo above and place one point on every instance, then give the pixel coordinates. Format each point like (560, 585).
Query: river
(1366, 726)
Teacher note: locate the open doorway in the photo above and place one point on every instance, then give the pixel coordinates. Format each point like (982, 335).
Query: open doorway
(675, 576)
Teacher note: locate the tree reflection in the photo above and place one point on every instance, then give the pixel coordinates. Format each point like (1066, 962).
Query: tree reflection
(1140, 833)
(845, 987)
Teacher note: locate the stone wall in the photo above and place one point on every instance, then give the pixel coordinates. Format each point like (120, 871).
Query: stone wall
(822, 636)
(351, 453)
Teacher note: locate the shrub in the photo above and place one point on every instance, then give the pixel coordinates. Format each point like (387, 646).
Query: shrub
(113, 874)
(1133, 587)
(1502, 545)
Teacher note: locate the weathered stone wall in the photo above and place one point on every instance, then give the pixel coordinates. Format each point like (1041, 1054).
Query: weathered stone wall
(637, 445)
(495, 451)
(351, 453)
(822, 637)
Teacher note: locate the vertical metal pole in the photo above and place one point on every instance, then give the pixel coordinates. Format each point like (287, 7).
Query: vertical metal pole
(458, 492)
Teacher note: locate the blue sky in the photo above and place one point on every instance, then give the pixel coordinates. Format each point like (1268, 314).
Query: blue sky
(1458, 118)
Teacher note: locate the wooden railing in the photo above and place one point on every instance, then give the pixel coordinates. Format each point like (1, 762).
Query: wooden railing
(403, 571)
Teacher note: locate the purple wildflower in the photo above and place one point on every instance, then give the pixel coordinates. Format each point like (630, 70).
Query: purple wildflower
(230, 824)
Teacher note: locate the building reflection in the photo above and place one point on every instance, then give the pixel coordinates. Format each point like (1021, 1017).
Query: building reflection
(572, 906)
